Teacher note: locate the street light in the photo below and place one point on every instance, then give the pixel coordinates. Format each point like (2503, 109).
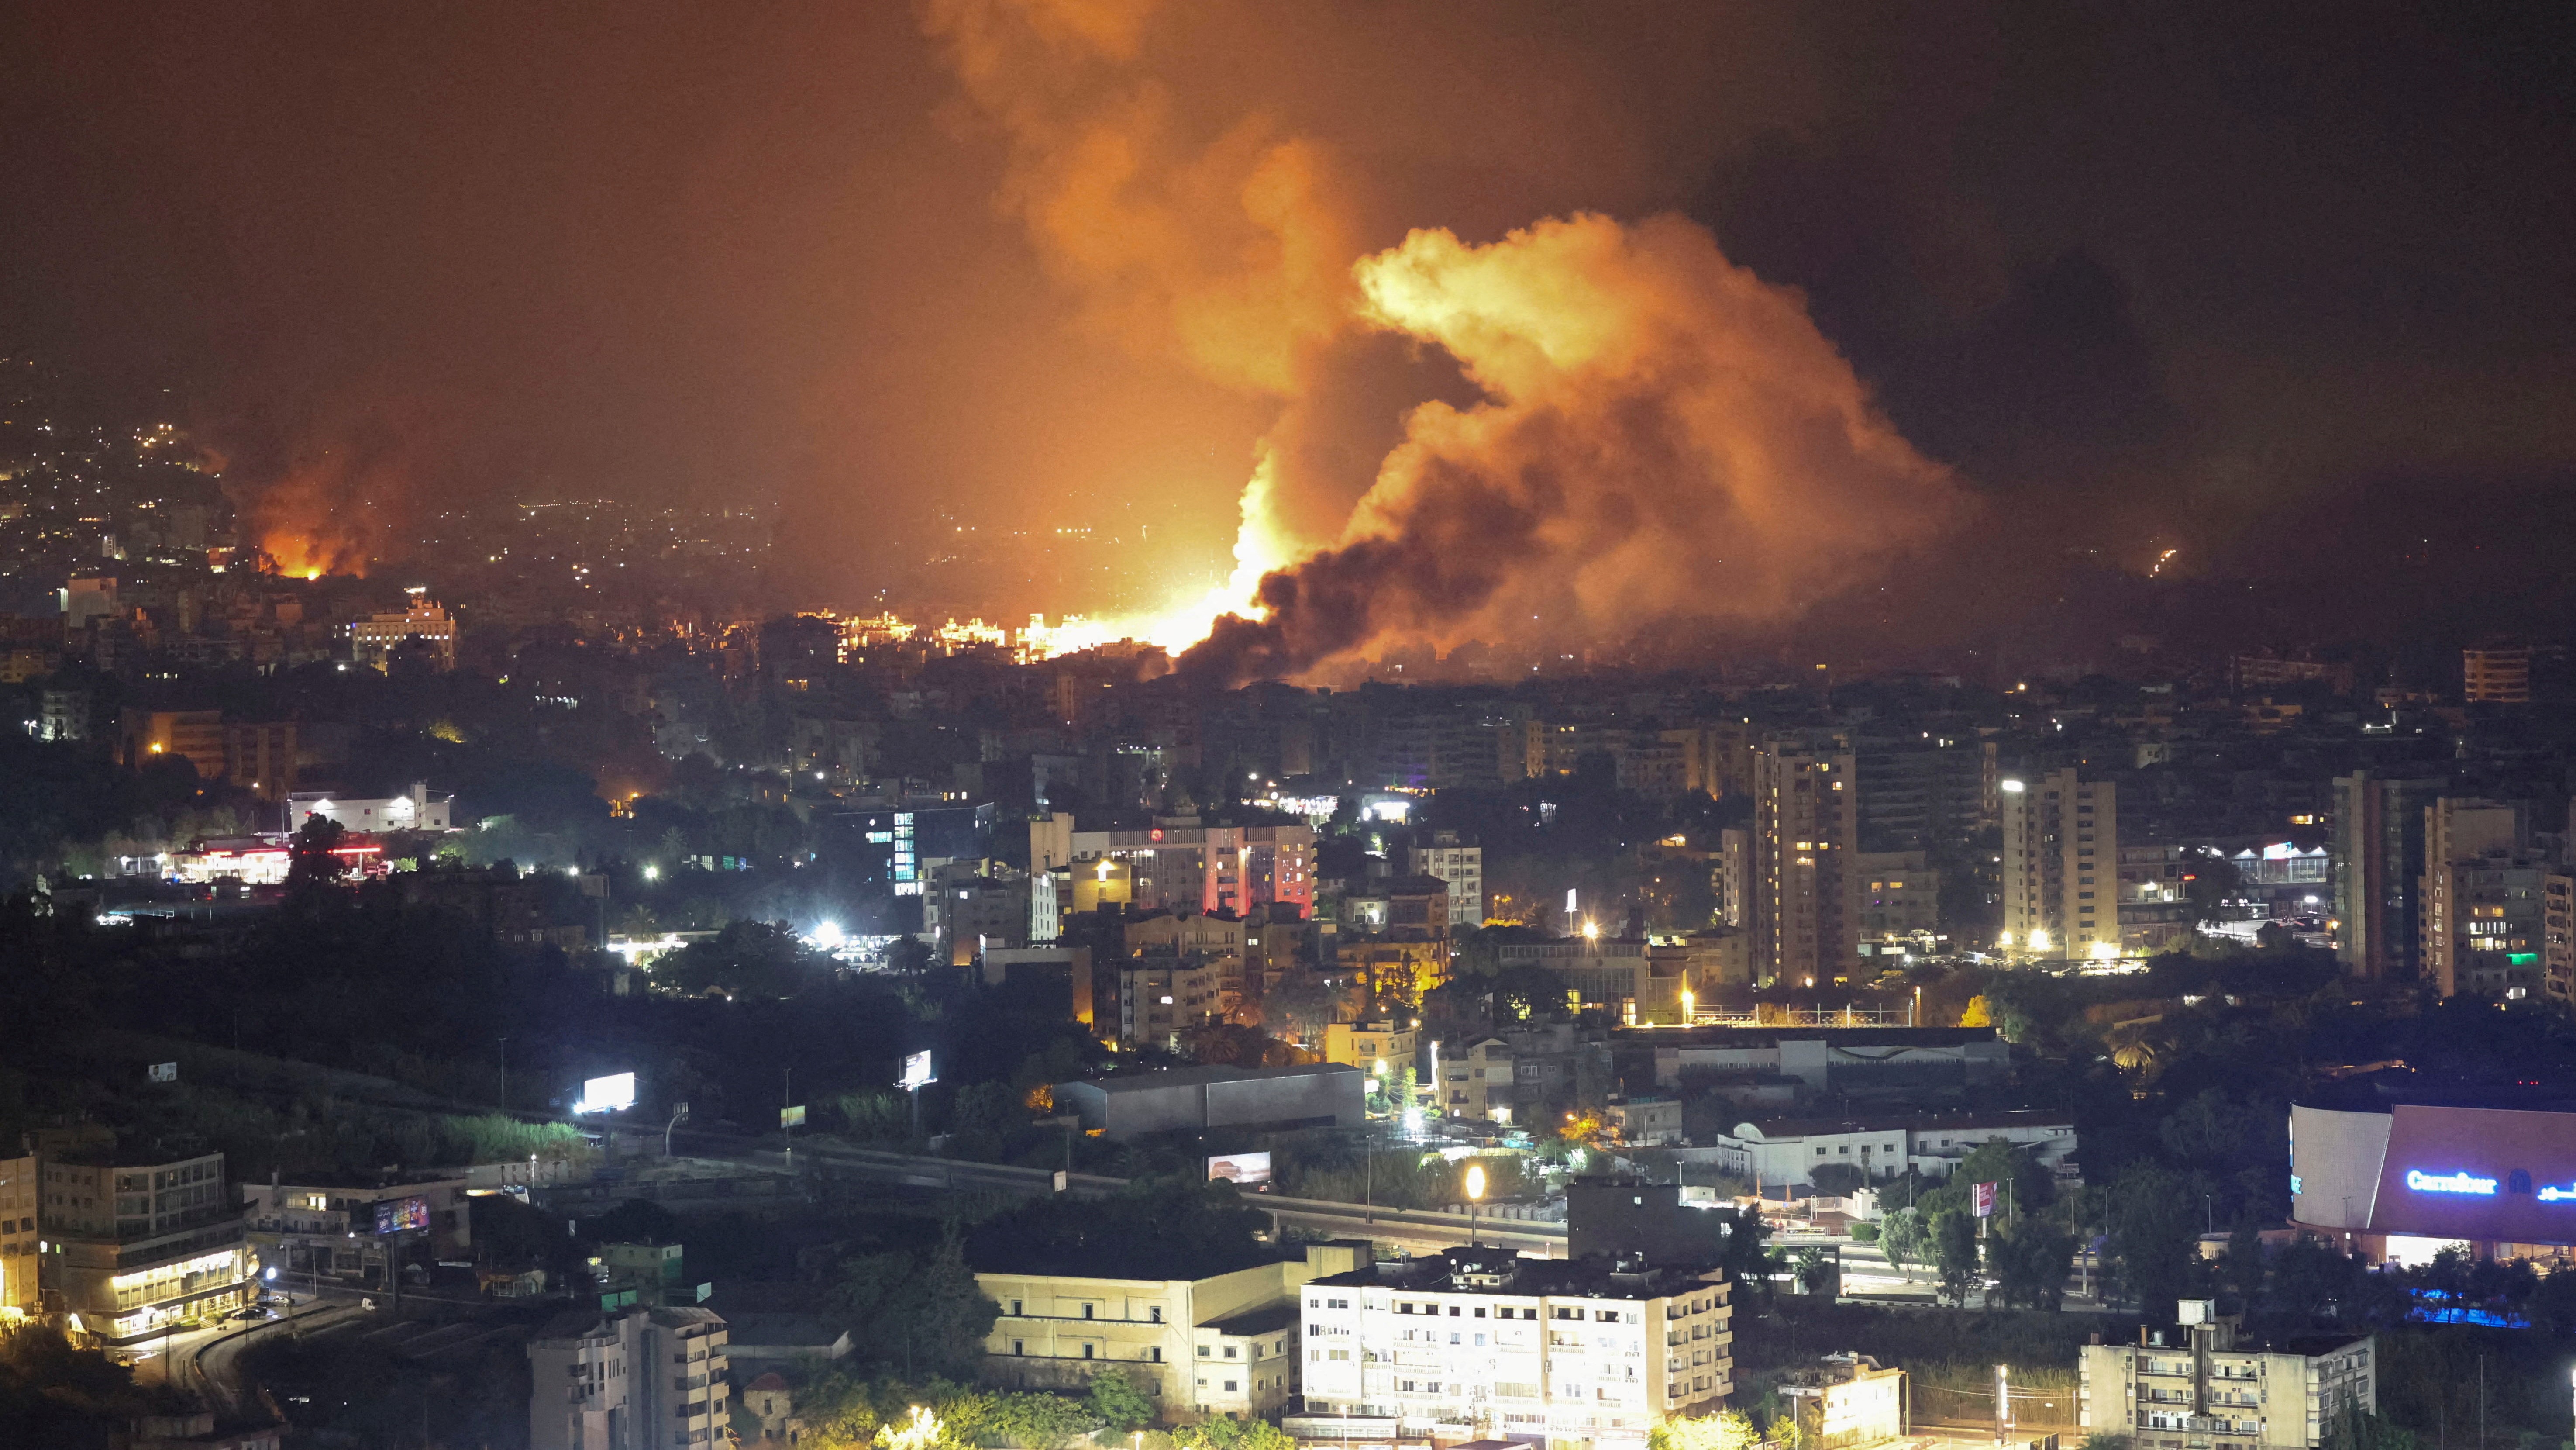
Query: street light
(1475, 1195)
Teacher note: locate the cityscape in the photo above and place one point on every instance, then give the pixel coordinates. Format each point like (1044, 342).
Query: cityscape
(1104, 725)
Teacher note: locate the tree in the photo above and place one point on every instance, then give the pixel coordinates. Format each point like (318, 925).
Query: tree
(924, 1316)
(1837, 1180)
(1820, 1272)
(1725, 1430)
(2208, 880)
(1115, 1398)
(1954, 1253)
(1903, 1237)
(1229, 1432)
(1999, 1162)
(1744, 1258)
(312, 861)
(2030, 1263)
(2154, 1237)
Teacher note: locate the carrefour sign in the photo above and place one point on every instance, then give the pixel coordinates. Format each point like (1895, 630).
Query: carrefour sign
(2423, 1182)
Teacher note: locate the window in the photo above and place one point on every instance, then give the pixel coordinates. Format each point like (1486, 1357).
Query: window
(1086, 1311)
(1203, 1351)
(1230, 1352)
(1230, 1384)
(1015, 1308)
(1087, 1351)
(1019, 1346)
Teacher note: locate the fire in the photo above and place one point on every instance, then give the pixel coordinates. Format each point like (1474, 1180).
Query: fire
(301, 555)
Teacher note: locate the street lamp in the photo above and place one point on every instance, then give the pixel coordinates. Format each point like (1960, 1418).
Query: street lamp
(1475, 1196)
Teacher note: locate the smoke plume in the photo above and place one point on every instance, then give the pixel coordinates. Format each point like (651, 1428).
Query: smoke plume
(1647, 433)
(1665, 438)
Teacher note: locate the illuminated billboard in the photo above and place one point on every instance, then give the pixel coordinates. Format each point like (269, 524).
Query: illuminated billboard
(1244, 1170)
(614, 1093)
(2493, 1175)
(402, 1215)
(917, 1073)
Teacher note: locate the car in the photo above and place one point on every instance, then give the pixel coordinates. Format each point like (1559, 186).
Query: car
(252, 1313)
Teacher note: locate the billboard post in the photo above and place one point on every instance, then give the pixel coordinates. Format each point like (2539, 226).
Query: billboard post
(916, 1076)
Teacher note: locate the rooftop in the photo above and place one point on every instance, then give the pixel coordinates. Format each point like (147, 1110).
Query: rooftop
(1778, 1128)
(1256, 1321)
(1201, 1076)
(1503, 1271)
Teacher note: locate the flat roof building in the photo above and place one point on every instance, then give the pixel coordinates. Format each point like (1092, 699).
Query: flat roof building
(1199, 1098)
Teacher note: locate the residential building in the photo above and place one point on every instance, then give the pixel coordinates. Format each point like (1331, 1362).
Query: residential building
(1199, 1098)
(133, 1244)
(1569, 1351)
(1806, 908)
(2061, 866)
(260, 757)
(765, 1412)
(2558, 937)
(2377, 857)
(1845, 1401)
(1165, 994)
(1900, 901)
(1184, 866)
(1788, 1150)
(2202, 1385)
(1462, 868)
(1732, 878)
(1911, 1064)
(1644, 1121)
(63, 715)
(374, 639)
(1220, 1343)
(1598, 971)
(1476, 1081)
(1380, 1049)
(643, 1379)
(2496, 675)
(414, 810)
(896, 848)
(195, 736)
(2481, 924)
(353, 1231)
(20, 1295)
(1717, 957)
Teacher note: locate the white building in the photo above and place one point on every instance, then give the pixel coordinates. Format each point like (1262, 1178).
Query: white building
(2195, 1387)
(415, 810)
(1463, 867)
(374, 639)
(1485, 1341)
(1785, 1151)
(1477, 1081)
(2061, 866)
(644, 1379)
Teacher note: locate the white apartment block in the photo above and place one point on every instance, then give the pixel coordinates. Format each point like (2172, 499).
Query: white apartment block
(1463, 867)
(1484, 1341)
(644, 1379)
(1477, 1082)
(2061, 866)
(2195, 1387)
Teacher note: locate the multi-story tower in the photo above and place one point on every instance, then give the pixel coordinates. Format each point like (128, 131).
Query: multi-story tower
(2480, 895)
(1806, 919)
(645, 1379)
(135, 1244)
(1565, 1351)
(2377, 855)
(1463, 867)
(1731, 878)
(2061, 866)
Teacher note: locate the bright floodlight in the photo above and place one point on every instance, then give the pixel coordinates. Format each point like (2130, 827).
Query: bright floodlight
(652, 873)
(1476, 1181)
(614, 1093)
(827, 935)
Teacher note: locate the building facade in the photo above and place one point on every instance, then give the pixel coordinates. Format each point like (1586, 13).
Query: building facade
(647, 1379)
(132, 1246)
(2200, 1386)
(1574, 1353)
(1806, 837)
(1788, 1151)
(2061, 866)
(1463, 868)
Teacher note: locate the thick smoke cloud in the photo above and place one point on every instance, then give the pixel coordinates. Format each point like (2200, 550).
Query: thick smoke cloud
(1664, 438)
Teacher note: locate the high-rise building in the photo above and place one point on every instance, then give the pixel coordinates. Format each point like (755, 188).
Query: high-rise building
(1806, 918)
(643, 1379)
(2558, 937)
(2482, 924)
(1463, 867)
(18, 1241)
(2061, 866)
(2376, 851)
(1731, 878)
(2202, 1383)
(2496, 675)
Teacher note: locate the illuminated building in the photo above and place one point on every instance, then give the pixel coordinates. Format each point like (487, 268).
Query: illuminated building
(2061, 866)
(1572, 1352)
(1219, 1345)
(2199, 1384)
(1185, 866)
(374, 639)
(2558, 937)
(349, 1231)
(1900, 902)
(18, 1241)
(64, 715)
(1165, 994)
(1845, 1402)
(415, 810)
(2377, 859)
(195, 736)
(645, 1379)
(263, 860)
(2496, 675)
(1462, 868)
(1379, 1048)
(1806, 910)
(2482, 892)
(1731, 878)
(896, 849)
(1598, 971)
(1476, 1081)
(132, 1247)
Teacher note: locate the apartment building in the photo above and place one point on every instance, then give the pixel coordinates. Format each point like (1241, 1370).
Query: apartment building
(1162, 996)
(1598, 971)
(131, 1245)
(1476, 1081)
(1482, 1339)
(1806, 834)
(2061, 866)
(351, 1230)
(2482, 922)
(1380, 1049)
(1222, 1343)
(643, 1379)
(2202, 1386)
(19, 1245)
(1463, 868)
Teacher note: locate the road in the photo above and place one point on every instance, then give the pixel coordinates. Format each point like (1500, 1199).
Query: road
(205, 1364)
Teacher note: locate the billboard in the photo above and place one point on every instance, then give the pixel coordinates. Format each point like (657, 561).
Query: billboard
(2482, 1174)
(614, 1093)
(1985, 1200)
(1244, 1170)
(792, 1117)
(402, 1215)
(165, 1072)
(917, 1073)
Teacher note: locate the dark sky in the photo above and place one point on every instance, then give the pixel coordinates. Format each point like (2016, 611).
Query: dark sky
(2150, 276)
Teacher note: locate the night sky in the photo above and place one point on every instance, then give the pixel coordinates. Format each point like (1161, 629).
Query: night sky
(2283, 286)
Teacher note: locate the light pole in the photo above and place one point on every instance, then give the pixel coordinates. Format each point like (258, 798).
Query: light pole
(676, 1116)
(1475, 1196)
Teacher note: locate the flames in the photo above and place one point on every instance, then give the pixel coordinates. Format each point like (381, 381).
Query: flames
(1661, 439)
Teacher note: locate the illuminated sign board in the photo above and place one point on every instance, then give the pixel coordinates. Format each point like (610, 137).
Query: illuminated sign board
(2423, 1182)
(1247, 1170)
(402, 1215)
(917, 1073)
(614, 1093)
(793, 1117)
